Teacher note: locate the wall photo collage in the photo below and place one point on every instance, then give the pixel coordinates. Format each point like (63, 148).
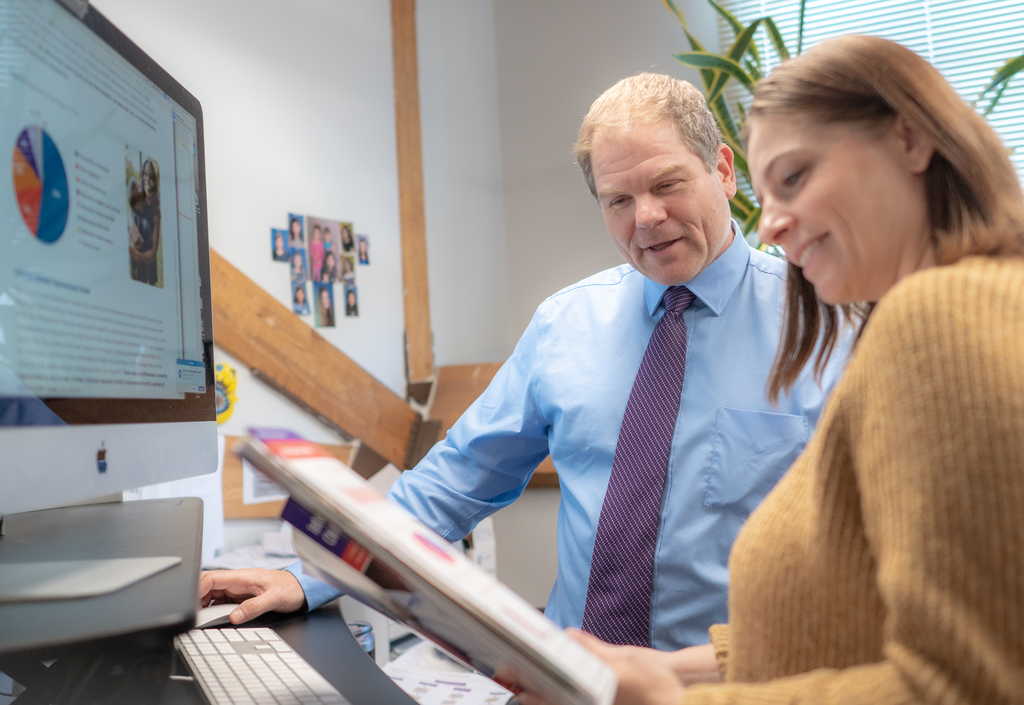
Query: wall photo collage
(323, 253)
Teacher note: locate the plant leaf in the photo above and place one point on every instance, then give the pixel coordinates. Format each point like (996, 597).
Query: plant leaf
(744, 201)
(707, 76)
(730, 18)
(739, 47)
(800, 29)
(719, 84)
(776, 37)
(752, 220)
(738, 210)
(736, 52)
(1010, 69)
(995, 100)
(707, 60)
(675, 11)
(694, 44)
(730, 134)
(752, 68)
(737, 29)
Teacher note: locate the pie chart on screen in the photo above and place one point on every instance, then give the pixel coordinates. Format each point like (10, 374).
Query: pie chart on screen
(40, 184)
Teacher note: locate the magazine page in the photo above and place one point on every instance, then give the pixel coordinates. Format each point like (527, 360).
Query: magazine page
(346, 524)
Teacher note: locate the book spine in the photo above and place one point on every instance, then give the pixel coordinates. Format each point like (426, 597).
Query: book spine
(327, 535)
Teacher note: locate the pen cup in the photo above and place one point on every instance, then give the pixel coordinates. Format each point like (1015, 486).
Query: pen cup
(363, 633)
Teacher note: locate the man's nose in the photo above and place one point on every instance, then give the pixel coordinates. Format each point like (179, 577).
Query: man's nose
(649, 212)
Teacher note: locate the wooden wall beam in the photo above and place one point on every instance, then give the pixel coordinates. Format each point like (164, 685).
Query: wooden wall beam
(418, 340)
(251, 325)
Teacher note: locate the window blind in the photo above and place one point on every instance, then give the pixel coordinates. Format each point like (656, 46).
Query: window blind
(966, 40)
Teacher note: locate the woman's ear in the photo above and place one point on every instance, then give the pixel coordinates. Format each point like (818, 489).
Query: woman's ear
(916, 148)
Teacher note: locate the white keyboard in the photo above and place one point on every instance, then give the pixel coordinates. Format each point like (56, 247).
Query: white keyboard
(254, 665)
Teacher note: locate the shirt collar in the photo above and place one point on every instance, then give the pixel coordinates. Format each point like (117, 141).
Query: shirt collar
(715, 284)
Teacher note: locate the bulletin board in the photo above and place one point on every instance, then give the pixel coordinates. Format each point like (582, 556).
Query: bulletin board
(234, 507)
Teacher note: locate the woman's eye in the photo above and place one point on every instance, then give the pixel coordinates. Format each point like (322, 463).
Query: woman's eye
(791, 179)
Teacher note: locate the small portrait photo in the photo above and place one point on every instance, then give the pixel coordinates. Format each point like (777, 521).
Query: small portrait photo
(348, 269)
(300, 300)
(351, 301)
(329, 268)
(298, 259)
(323, 303)
(363, 249)
(323, 238)
(347, 242)
(316, 251)
(145, 246)
(279, 245)
(296, 235)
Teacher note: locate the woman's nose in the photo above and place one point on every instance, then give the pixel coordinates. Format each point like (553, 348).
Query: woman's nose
(774, 225)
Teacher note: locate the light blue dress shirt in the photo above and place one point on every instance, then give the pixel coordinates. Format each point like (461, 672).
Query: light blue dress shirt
(564, 391)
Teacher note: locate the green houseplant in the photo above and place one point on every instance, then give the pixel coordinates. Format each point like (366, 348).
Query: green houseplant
(744, 64)
(1000, 80)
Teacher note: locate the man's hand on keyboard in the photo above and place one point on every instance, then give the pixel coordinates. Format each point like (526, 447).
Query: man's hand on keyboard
(255, 589)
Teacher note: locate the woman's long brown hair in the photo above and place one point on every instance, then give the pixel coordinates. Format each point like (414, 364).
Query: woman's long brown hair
(975, 203)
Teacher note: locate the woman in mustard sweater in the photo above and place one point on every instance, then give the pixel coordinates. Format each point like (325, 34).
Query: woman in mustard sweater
(888, 564)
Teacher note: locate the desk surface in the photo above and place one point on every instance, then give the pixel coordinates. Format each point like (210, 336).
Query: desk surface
(322, 638)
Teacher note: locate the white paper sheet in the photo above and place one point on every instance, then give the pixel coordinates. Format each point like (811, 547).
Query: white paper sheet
(247, 557)
(430, 678)
(258, 488)
(278, 544)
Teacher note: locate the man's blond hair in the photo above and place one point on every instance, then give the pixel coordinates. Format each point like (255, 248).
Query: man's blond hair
(650, 97)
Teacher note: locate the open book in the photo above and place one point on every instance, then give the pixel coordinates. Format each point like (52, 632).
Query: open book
(345, 525)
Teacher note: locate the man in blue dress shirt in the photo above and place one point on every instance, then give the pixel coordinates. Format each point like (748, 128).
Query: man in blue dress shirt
(653, 157)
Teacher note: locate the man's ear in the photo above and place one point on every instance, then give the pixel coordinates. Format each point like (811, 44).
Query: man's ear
(726, 172)
(916, 148)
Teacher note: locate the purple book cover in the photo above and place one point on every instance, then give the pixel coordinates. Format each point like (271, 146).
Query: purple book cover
(326, 535)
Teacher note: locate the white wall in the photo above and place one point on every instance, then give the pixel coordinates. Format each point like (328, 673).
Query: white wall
(298, 99)
(466, 252)
(554, 59)
(504, 85)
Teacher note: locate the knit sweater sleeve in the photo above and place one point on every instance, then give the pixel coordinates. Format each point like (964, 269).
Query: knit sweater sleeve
(935, 421)
(719, 634)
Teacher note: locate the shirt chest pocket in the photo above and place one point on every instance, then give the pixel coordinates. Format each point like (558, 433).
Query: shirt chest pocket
(751, 451)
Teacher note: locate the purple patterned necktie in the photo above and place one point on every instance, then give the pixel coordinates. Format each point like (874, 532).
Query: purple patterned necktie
(618, 607)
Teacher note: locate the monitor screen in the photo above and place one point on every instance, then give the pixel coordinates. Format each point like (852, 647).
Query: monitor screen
(106, 367)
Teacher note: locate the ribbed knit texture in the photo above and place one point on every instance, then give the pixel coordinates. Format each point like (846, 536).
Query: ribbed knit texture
(888, 564)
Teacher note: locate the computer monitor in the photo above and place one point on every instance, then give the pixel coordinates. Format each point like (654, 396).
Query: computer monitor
(106, 367)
